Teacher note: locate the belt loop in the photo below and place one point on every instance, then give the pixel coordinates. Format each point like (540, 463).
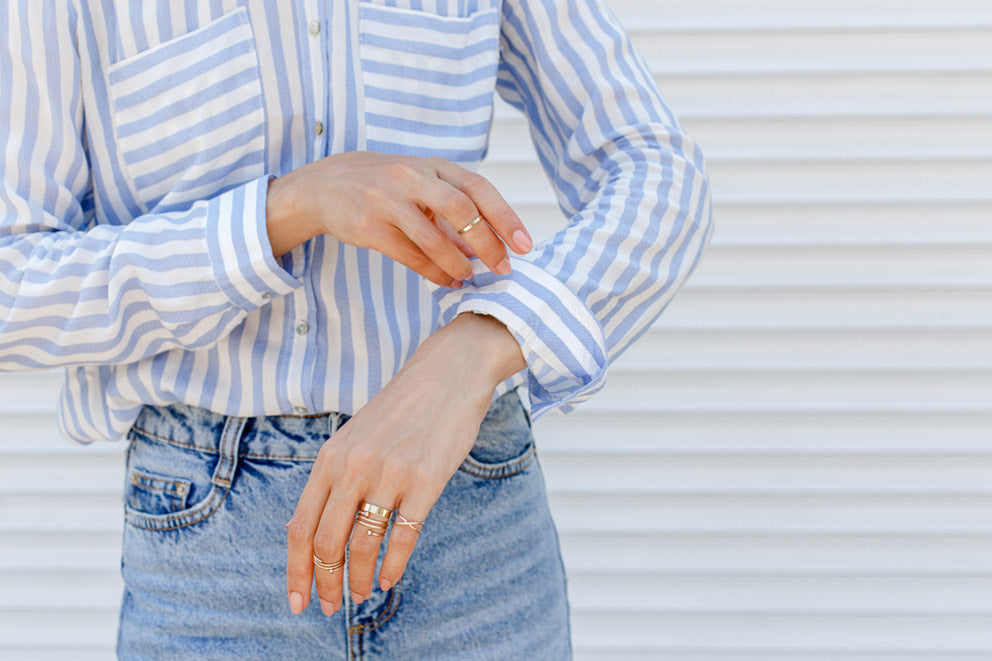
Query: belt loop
(230, 437)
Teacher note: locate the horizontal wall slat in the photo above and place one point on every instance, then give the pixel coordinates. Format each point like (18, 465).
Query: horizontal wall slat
(935, 137)
(759, 633)
(734, 15)
(840, 50)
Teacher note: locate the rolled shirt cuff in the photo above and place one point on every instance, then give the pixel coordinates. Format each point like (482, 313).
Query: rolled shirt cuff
(240, 253)
(560, 338)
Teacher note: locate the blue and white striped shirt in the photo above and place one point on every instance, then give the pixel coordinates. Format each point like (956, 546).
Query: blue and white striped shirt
(138, 139)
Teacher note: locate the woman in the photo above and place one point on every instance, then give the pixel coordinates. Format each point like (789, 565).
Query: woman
(253, 235)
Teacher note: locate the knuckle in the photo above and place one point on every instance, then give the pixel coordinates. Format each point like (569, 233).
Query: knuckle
(324, 541)
(432, 242)
(419, 263)
(297, 531)
(474, 180)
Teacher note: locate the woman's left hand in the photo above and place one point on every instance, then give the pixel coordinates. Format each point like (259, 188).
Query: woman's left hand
(398, 452)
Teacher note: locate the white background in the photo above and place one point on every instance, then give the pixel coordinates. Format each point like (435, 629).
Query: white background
(796, 463)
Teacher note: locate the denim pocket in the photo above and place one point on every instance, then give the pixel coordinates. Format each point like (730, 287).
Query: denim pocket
(188, 113)
(169, 486)
(156, 494)
(429, 78)
(505, 445)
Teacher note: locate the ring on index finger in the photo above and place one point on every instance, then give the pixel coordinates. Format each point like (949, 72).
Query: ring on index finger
(475, 222)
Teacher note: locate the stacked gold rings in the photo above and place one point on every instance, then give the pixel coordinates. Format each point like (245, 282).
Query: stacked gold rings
(331, 567)
(374, 518)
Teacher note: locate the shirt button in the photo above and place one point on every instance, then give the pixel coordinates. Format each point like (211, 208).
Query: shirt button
(315, 28)
(267, 295)
(300, 410)
(318, 128)
(302, 328)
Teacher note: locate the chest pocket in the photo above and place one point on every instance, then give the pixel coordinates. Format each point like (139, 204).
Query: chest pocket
(188, 114)
(429, 79)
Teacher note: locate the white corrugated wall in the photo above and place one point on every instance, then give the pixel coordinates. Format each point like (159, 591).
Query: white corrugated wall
(796, 463)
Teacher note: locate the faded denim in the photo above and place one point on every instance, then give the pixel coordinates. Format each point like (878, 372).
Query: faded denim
(204, 549)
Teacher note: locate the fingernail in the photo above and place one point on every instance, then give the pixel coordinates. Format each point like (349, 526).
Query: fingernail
(296, 602)
(357, 598)
(522, 240)
(503, 268)
(327, 607)
(456, 284)
(386, 585)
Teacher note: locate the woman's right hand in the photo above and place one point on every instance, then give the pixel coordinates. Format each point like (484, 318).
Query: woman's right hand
(405, 207)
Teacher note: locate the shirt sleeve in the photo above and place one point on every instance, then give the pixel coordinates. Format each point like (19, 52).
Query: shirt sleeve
(632, 184)
(76, 292)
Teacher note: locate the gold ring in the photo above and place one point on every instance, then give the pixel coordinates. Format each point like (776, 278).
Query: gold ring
(369, 508)
(331, 567)
(470, 225)
(401, 520)
(376, 528)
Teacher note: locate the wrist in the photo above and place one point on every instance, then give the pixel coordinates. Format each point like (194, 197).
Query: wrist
(480, 347)
(286, 224)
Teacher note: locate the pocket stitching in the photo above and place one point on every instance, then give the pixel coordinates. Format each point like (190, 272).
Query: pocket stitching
(195, 514)
(176, 490)
(507, 468)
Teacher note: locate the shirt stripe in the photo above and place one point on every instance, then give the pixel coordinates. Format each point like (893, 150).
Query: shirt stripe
(139, 144)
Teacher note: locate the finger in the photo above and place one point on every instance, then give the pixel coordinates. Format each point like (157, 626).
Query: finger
(363, 550)
(403, 539)
(300, 529)
(498, 213)
(329, 542)
(459, 211)
(406, 252)
(433, 242)
(452, 235)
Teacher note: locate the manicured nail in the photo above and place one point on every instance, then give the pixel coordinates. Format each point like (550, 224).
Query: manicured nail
(522, 240)
(455, 284)
(385, 585)
(503, 268)
(296, 602)
(327, 607)
(357, 598)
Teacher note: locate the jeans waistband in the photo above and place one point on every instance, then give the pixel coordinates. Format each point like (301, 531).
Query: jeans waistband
(262, 437)
(289, 437)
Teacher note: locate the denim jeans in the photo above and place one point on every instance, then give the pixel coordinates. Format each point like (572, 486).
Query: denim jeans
(204, 549)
